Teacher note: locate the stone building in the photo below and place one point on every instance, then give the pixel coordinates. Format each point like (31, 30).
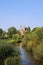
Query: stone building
(22, 30)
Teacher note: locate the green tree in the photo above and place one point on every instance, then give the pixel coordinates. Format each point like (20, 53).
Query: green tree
(11, 31)
(38, 52)
(34, 29)
(38, 33)
(1, 31)
(17, 38)
(28, 29)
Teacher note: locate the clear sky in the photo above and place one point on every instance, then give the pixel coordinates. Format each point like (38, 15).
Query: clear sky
(21, 12)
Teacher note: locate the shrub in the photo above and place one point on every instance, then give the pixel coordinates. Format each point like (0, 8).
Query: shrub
(26, 39)
(12, 61)
(38, 52)
(29, 46)
(6, 50)
(16, 37)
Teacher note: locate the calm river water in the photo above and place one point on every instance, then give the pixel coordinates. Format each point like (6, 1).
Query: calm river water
(27, 59)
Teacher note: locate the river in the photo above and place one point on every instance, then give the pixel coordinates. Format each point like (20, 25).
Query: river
(27, 59)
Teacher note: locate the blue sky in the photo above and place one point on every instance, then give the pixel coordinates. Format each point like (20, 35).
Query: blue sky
(21, 12)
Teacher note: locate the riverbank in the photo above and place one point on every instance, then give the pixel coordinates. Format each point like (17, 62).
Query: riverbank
(26, 58)
(32, 41)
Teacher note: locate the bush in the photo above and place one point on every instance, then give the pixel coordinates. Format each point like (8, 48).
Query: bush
(26, 39)
(38, 52)
(29, 46)
(16, 37)
(6, 51)
(12, 61)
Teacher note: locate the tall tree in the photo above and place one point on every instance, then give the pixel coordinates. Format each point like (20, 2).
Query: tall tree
(11, 31)
(1, 31)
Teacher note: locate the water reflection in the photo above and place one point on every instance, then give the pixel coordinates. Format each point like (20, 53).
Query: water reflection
(27, 58)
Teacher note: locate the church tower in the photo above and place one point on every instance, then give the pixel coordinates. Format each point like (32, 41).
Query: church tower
(22, 30)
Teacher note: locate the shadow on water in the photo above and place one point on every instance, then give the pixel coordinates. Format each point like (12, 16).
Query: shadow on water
(26, 58)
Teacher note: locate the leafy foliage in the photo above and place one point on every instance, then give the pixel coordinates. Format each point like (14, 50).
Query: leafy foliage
(33, 42)
(38, 52)
(7, 49)
(11, 31)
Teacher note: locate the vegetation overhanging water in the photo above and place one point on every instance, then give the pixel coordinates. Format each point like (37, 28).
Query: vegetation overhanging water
(32, 41)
